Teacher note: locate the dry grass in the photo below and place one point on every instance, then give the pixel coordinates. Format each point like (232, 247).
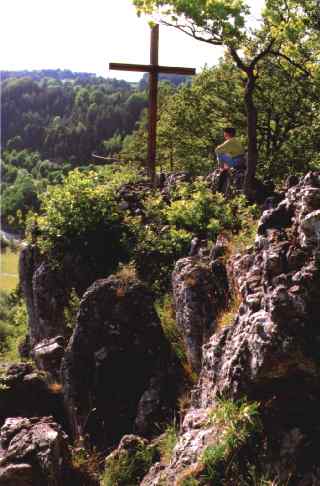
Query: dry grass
(227, 317)
(184, 403)
(127, 273)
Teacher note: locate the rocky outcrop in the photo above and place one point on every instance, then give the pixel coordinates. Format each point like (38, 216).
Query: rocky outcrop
(201, 291)
(118, 372)
(27, 392)
(47, 281)
(46, 294)
(29, 260)
(33, 452)
(270, 353)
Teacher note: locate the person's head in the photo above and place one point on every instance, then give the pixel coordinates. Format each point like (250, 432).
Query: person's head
(229, 132)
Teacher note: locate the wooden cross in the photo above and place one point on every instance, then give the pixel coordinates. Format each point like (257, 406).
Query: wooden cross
(153, 69)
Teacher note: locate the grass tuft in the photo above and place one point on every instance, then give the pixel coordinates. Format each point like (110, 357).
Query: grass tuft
(124, 468)
(168, 442)
(235, 423)
(228, 315)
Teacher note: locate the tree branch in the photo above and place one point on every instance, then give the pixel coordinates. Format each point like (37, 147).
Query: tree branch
(191, 32)
(290, 61)
(261, 55)
(237, 59)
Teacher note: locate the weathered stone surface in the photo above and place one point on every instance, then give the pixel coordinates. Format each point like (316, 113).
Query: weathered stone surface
(271, 352)
(118, 372)
(272, 338)
(48, 355)
(34, 452)
(27, 392)
(46, 295)
(29, 260)
(200, 290)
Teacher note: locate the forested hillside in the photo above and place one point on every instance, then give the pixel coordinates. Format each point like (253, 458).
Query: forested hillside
(66, 119)
(53, 121)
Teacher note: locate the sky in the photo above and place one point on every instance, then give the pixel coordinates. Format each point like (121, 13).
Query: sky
(85, 35)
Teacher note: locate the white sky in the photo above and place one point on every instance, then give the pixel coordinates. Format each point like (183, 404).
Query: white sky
(85, 35)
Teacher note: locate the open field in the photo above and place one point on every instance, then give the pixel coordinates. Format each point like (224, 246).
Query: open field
(8, 269)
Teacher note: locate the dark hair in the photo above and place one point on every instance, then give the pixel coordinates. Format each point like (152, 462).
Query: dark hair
(230, 130)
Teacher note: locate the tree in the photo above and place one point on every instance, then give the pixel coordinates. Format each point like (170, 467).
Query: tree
(223, 23)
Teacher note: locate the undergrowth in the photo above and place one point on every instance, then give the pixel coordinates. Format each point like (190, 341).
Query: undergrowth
(165, 310)
(168, 442)
(127, 468)
(13, 325)
(235, 423)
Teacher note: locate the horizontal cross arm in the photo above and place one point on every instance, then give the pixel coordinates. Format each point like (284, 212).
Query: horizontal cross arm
(176, 70)
(149, 68)
(119, 66)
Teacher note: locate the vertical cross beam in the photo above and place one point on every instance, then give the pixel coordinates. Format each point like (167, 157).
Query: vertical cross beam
(153, 102)
(153, 69)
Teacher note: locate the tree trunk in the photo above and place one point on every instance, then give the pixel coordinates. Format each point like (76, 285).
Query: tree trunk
(252, 136)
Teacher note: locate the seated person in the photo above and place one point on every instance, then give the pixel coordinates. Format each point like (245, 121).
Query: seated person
(230, 153)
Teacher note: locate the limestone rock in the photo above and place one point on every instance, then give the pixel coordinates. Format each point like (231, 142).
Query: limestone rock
(200, 291)
(46, 295)
(118, 372)
(34, 452)
(48, 355)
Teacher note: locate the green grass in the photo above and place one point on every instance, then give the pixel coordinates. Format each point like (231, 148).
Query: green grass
(168, 442)
(127, 468)
(236, 423)
(9, 269)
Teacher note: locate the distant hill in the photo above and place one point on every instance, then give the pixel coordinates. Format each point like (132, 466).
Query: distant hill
(65, 115)
(37, 75)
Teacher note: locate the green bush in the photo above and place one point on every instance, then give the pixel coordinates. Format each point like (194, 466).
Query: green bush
(13, 324)
(84, 202)
(198, 210)
(156, 254)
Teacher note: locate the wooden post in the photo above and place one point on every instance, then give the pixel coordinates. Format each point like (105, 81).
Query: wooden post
(153, 69)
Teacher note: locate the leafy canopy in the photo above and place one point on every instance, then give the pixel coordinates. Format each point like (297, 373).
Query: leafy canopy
(217, 21)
